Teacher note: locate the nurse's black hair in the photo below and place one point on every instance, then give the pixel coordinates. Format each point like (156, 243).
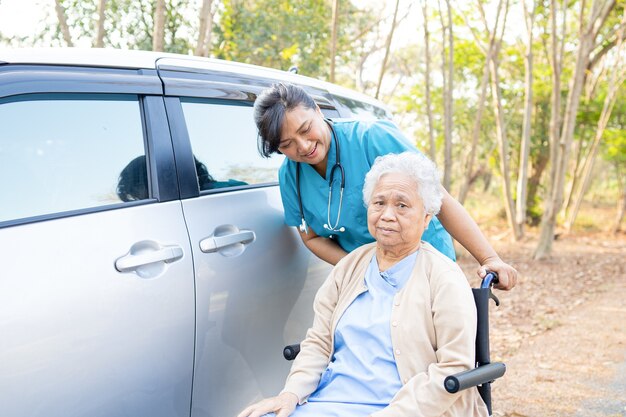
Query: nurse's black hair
(269, 112)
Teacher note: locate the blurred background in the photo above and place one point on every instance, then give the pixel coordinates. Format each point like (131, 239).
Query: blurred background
(520, 102)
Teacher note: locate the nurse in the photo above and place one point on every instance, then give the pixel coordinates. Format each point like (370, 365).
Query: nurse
(321, 180)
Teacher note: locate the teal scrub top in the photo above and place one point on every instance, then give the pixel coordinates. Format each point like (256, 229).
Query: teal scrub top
(360, 143)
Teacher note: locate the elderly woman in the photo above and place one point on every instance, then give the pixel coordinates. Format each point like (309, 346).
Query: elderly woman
(394, 318)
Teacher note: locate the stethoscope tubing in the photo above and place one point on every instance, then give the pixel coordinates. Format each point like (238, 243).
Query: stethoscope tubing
(303, 226)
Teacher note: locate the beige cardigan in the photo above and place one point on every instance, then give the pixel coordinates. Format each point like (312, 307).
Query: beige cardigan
(433, 328)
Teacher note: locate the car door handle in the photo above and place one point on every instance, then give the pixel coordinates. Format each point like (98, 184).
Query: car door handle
(131, 262)
(214, 243)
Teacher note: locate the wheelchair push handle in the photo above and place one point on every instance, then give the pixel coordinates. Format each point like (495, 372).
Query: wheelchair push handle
(491, 279)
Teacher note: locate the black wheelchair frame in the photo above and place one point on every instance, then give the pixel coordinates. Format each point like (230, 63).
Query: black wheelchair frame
(485, 372)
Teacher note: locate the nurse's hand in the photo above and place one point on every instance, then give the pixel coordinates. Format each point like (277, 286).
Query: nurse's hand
(283, 405)
(507, 275)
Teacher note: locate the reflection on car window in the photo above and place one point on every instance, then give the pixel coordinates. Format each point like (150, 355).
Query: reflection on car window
(223, 139)
(61, 152)
(362, 110)
(133, 182)
(207, 182)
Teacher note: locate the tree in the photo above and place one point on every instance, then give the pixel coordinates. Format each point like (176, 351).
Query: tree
(205, 27)
(492, 53)
(501, 134)
(62, 17)
(616, 79)
(589, 28)
(383, 66)
(99, 42)
(429, 110)
(125, 24)
(368, 43)
(615, 153)
(270, 33)
(488, 51)
(522, 177)
(333, 39)
(447, 71)
(158, 34)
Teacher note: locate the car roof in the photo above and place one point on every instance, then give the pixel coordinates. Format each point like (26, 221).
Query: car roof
(117, 58)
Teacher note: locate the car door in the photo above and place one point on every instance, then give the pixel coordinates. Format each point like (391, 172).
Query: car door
(255, 280)
(96, 276)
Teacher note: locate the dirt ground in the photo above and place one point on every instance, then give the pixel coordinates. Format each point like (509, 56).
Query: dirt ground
(562, 330)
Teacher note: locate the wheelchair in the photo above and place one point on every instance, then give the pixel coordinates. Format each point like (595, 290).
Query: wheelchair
(485, 372)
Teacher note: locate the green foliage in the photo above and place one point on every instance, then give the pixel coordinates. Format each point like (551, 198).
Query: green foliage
(615, 147)
(276, 33)
(469, 61)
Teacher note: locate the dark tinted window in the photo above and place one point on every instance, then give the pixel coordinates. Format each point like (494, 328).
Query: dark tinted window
(68, 152)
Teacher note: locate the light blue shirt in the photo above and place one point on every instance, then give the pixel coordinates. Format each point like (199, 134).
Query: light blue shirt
(362, 376)
(360, 142)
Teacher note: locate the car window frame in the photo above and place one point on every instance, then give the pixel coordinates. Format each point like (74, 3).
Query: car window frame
(23, 80)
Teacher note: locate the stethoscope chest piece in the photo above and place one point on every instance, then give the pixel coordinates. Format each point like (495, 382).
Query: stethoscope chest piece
(303, 227)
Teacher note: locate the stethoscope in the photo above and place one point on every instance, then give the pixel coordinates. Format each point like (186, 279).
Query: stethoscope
(335, 228)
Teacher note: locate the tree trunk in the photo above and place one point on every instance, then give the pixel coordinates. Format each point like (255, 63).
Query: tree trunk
(158, 34)
(588, 168)
(556, 56)
(578, 151)
(534, 181)
(99, 41)
(469, 165)
(617, 78)
(209, 32)
(522, 178)
(204, 29)
(383, 66)
(448, 102)
(445, 93)
(333, 39)
(429, 109)
(446, 70)
(65, 30)
(621, 209)
(554, 200)
(503, 148)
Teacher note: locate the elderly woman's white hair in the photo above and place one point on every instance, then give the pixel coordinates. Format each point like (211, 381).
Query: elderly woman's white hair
(415, 165)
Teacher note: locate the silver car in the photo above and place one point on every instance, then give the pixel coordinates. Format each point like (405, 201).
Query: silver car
(145, 267)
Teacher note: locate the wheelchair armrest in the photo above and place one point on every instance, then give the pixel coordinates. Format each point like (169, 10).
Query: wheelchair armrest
(474, 377)
(290, 352)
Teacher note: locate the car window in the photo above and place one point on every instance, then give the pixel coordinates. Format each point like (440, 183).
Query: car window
(224, 143)
(362, 110)
(69, 152)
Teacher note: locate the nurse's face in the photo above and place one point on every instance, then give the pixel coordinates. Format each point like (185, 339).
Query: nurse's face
(305, 136)
(395, 215)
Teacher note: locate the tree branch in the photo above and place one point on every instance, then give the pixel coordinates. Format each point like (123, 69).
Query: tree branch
(479, 42)
(604, 15)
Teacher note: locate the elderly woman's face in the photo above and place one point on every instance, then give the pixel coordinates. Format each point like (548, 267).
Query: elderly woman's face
(395, 216)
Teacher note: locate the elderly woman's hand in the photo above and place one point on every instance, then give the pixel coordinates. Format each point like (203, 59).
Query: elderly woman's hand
(507, 275)
(283, 405)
